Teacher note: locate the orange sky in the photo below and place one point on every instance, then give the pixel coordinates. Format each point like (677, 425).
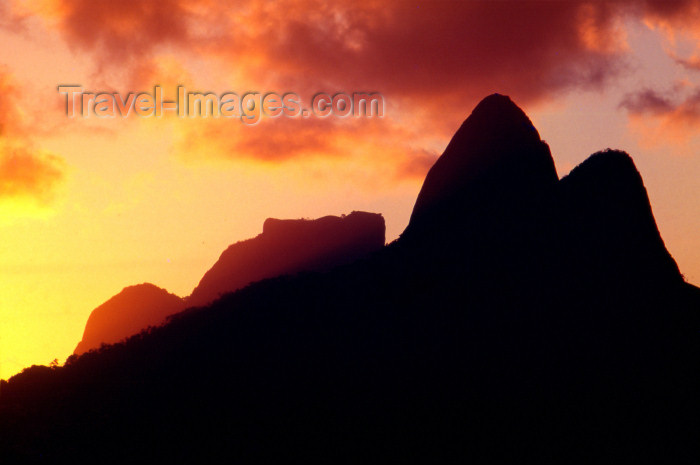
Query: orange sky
(89, 206)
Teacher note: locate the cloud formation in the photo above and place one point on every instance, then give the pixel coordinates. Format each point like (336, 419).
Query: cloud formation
(28, 174)
(25, 172)
(10, 19)
(664, 117)
(679, 21)
(429, 50)
(377, 144)
(647, 102)
(432, 61)
(120, 32)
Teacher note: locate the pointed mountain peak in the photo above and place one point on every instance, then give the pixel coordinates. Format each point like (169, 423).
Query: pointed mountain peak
(496, 154)
(500, 110)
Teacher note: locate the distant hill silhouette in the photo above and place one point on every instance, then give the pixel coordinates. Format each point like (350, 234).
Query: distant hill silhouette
(284, 247)
(135, 308)
(519, 318)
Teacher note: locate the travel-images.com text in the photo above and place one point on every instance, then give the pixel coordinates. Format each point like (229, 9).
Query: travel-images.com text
(249, 107)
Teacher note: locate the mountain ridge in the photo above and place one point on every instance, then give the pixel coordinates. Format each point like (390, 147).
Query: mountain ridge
(288, 246)
(284, 247)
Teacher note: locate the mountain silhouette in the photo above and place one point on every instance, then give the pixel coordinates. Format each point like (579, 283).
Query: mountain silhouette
(605, 207)
(291, 246)
(284, 247)
(495, 156)
(132, 310)
(519, 318)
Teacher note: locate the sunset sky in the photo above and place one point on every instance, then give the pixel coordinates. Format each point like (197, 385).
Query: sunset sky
(89, 205)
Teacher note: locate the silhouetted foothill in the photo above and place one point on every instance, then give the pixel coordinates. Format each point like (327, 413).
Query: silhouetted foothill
(132, 310)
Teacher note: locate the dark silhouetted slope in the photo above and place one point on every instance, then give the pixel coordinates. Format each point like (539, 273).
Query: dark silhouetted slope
(519, 319)
(291, 246)
(127, 313)
(284, 247)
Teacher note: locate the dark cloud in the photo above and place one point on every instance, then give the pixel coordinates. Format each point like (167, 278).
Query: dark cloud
(674, 10)
(432, 60)
(672, 117)
(647, 101)
(678, 106)
(435, 53)
(124, 31)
